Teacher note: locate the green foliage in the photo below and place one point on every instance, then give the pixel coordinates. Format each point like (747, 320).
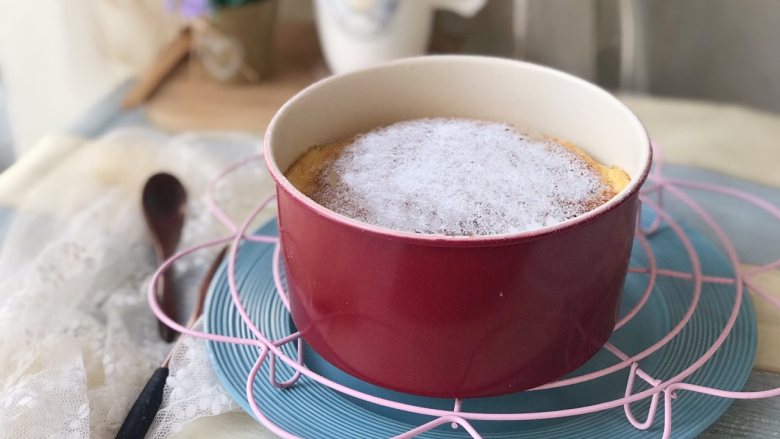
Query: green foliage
(216, 4)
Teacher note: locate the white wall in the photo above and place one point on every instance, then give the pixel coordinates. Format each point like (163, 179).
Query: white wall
(58, 57)
(6, 145)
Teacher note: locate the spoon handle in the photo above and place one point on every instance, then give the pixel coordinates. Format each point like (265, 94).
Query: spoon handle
(167, 300)
(145, 407)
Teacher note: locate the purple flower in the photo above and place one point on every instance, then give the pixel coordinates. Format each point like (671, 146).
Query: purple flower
(189, 9)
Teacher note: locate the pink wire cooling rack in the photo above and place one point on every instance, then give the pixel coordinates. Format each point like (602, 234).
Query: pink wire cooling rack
(657, 187)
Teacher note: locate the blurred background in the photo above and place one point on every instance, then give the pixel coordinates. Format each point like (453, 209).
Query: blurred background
(199, 64)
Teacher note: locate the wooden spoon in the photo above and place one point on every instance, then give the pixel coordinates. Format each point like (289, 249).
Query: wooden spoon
(164, 203)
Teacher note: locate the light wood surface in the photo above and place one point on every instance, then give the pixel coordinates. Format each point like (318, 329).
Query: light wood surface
(768, 317)
(190, 101)
(749, 419)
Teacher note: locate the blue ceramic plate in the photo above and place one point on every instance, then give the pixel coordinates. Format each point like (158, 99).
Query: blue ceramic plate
(313, 411)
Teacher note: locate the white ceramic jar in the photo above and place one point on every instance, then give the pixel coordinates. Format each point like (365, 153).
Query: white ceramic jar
(359, 33)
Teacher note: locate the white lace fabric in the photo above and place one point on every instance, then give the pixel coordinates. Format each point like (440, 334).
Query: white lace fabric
(77, 340)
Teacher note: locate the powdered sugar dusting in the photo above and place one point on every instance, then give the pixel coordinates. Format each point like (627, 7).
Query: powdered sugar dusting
(458, 177)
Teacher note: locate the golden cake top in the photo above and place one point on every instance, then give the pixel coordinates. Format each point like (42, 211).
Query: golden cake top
(455, 177)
